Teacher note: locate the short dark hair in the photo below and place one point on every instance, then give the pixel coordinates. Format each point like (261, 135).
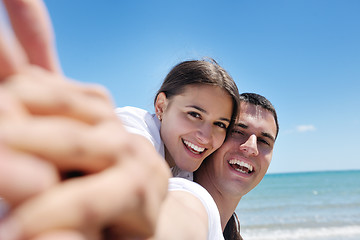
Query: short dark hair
(263, 102)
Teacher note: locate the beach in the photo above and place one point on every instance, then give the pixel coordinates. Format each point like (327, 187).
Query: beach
(309, 205)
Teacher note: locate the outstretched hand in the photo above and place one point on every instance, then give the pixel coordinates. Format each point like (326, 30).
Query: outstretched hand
(47, 128)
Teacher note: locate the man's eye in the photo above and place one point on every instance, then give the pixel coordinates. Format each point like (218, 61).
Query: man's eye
(194, 114)
(263, 141)
(237, 132)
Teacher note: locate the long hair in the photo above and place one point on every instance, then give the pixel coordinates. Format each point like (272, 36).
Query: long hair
(232, 229)
(206, 71)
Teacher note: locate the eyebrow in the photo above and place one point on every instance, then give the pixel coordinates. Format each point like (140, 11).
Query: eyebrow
(264, 134)
(198, 108)
(204, 111)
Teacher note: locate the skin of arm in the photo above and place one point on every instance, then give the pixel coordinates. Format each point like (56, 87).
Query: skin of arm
(182, 216)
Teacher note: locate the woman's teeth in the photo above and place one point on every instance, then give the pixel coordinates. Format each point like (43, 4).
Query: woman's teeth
(194, 148)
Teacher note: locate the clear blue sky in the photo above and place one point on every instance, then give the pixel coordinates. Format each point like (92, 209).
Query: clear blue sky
(303, 55)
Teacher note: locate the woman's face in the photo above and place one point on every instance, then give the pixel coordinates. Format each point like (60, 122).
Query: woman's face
(193, 124)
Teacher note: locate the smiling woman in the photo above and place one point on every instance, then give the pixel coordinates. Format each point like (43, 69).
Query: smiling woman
(201, 115)
(195, 106)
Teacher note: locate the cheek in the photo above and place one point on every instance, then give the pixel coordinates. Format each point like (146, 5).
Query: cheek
(166, 132)
(268, 159)
(265, 162)
(172, 128)
(184, 125)
(266, 153)
(219, 139)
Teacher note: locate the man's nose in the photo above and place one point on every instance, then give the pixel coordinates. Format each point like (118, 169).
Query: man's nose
(250, 146)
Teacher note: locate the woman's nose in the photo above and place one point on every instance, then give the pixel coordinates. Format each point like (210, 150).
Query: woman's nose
(204, 133)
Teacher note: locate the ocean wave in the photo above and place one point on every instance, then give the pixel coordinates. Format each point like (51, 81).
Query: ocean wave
(323, 233)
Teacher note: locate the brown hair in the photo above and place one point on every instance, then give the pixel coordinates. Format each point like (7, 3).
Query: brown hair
(259, 100)
(232, 229)
(206, 71)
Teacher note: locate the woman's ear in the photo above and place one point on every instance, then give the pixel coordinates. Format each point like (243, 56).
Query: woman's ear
(161, 105)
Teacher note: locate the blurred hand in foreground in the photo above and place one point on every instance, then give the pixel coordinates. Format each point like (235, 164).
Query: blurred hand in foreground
(49, 126)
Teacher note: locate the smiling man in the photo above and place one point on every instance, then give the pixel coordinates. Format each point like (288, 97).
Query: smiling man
(228, 174)
(242, 161)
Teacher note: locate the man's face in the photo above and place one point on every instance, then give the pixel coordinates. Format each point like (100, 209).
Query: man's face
(242, 161)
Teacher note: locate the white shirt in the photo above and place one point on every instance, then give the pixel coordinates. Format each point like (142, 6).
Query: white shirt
(214, 222)
(142, 122)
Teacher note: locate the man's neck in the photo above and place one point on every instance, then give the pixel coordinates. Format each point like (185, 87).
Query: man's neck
(226, 204)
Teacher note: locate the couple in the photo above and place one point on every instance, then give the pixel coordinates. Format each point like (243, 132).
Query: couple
(228, 174)
(81, 144)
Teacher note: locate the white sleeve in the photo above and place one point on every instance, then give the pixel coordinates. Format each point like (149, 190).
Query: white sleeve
(178, 172)
(139, 121)
(181, 184)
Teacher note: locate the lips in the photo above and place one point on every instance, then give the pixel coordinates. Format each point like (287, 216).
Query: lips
(193, 148)
(241, 166)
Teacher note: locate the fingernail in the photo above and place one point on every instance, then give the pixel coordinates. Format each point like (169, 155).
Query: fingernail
(9, 229)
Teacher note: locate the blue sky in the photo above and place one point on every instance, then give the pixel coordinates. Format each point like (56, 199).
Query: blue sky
(303, 55)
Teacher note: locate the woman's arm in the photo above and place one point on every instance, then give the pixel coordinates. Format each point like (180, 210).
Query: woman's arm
(182, 216)
(188, 212)
(47, 127)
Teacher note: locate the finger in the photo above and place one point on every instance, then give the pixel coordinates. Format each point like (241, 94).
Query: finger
(89, 103)
(32, 26)
(69, 144)
(11, 56)
(91, 200)
(10, 108)
(23, 176)
(116, 198)
(4, 208)
(64, 235)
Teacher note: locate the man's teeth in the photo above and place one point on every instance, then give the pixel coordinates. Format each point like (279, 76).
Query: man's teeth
(196, 149)
(242, 167)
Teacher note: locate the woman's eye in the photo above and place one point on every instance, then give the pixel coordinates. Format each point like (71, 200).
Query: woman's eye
(194, 114)
(221, 125)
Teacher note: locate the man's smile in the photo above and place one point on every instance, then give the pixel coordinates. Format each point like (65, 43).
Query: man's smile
(241, 166)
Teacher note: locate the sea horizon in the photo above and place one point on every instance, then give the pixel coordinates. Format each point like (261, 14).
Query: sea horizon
(313, 171)
(321, 205)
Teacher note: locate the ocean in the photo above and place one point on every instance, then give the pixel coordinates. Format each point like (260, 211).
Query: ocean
(310, 205)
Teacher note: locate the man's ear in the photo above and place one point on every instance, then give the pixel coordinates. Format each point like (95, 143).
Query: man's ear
(161, 104)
